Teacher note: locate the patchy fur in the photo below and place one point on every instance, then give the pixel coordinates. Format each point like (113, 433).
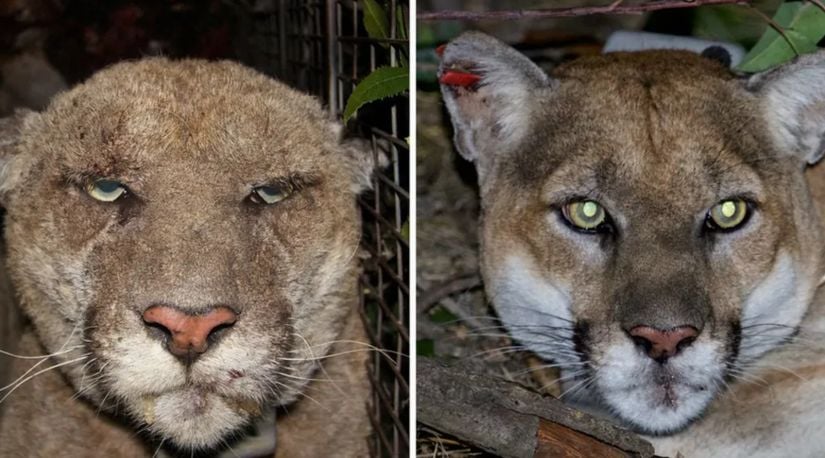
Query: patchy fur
(657, 139)
(190, 140)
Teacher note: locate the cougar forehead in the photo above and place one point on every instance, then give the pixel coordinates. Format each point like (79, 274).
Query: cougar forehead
(190, 141)
(158, 110)
(654, 111)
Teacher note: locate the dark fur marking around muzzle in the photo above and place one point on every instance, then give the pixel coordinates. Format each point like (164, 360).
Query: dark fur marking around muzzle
(581, 335)
(734, 342)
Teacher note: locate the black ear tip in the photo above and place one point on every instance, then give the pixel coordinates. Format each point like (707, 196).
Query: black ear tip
(717, 53)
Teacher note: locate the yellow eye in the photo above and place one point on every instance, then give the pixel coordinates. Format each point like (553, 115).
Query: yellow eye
(584, 214)
(268, 195)
(728, 214)
(106, 190)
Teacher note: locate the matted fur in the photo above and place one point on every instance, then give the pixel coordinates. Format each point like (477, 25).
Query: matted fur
(190, 139)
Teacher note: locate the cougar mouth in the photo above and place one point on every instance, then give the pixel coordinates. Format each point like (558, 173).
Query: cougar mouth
(660, 398)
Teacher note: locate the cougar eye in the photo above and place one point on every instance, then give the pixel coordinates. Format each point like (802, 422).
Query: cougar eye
(268, 195)
(106, 190)
(728, 214)
(584, 214)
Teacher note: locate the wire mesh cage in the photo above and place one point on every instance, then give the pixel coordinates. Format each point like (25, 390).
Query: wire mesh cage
(323, 48)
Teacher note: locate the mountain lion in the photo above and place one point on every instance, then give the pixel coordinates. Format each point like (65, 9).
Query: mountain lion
(648, 225)
(182, 235)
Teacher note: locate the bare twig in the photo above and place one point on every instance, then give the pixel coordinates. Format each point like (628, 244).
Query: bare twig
(458, 284)
(463, 316)
(614, 8)
(818, 3)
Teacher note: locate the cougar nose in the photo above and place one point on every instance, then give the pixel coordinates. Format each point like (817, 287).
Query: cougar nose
(188, 333)
(661, 345)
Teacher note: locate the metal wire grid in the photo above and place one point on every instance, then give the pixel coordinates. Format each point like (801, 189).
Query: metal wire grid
(321, 47)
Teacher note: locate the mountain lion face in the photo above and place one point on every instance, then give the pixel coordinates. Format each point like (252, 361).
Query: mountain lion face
(646, 221)
(182, 236)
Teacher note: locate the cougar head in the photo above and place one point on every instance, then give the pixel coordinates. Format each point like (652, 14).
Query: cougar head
(182, 236)
(646, 220)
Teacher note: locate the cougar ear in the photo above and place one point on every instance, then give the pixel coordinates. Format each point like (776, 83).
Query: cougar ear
(13, 166)
(793, 98)
(361, 159)
(488, 88)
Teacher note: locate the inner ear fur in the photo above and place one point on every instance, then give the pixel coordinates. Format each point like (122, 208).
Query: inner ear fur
(360, 157)
(362, 161)
(488, 88)
(793, 98)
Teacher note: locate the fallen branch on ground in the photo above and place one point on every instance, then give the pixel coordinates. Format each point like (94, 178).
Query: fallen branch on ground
(509, 420)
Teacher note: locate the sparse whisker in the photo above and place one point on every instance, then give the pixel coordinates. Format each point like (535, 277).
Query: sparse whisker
(58, 353)
(17, 383)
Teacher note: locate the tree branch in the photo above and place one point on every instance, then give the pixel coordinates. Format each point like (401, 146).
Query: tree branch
(509, 420)
(613, 8)
(818, 3)
(431, 297)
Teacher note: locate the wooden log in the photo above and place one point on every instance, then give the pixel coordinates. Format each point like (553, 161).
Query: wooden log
(509, 420)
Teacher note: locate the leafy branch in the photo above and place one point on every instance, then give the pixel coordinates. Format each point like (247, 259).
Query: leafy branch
(383, 82)
(795, 29)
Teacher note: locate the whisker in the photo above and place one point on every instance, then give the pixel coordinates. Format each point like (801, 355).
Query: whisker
(228, 447)
(381, 351)
(18, 384)
(318, 358)
(303, 379)
(58, 353)
(577, 385)
(159, 447)
(550, 366)
(323, 369)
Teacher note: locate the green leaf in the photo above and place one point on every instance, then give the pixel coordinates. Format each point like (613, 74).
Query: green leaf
(382, 83)
(425, 347)
(732, 22)
(442, 315)
(804, 26)
(405, 231)
(375, 21)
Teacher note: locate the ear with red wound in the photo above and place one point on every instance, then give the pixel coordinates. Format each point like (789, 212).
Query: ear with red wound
(793, 103)
(488, 88)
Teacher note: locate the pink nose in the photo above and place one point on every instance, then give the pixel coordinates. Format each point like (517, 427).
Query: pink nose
(661, 345)
(188, 332)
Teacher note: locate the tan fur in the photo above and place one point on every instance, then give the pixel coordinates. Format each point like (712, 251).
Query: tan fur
(190, 140)
(657, 139)
(779, 408)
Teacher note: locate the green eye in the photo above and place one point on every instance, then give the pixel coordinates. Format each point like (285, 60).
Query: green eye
(585, 214)
(268, 195)
(106, 190)
(728, 214)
